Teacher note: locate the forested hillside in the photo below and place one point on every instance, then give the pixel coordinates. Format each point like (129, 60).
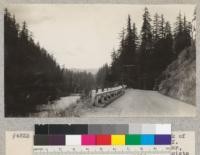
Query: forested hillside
(32, 76)
(141, 59)
(144, 60)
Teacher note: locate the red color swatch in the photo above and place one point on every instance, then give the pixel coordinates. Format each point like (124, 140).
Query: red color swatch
(103, 139)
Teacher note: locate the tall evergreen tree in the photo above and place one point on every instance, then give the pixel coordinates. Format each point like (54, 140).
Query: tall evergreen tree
(115, 68)
(169, 54)
(146, 51)
(156, 35)
(146, 32)
(162, 27)
(182, 34)
(179, 24)
(129, 54)
(135, 36)
(129, 44)
(24, 35)
(168, 32)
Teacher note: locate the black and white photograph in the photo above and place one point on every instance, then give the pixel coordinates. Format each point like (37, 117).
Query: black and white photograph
(99, 60)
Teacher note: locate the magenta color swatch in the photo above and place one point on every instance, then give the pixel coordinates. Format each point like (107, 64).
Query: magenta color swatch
(88, 140)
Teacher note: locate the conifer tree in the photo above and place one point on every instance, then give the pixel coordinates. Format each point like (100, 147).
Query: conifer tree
(24, 32)
(135, 36)
(146, 52)
(162, 27)
(156, 35)
(182, 34)
(146, 32)
(179, 24)
(169, 54)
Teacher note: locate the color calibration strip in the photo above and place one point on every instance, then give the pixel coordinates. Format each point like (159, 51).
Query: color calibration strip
(102, 140)
(21, 143)
(102, 134)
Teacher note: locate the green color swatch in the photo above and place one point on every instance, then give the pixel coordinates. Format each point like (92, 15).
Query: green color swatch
(133, 139)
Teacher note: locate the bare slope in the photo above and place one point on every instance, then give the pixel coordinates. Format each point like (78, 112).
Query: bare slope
(179, 79)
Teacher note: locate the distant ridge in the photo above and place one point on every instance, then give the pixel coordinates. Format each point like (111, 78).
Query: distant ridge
(88, 70)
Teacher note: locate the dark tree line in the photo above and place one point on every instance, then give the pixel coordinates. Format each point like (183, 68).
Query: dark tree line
(32, 76)
(80, 82)
(140, 59)
(102, 80)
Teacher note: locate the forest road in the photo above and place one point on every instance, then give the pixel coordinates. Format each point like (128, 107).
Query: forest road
(139, 103)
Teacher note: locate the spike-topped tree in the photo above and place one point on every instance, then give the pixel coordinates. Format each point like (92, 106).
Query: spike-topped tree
(156, 35)
(162, 26)
(146, 32)
(182, 34)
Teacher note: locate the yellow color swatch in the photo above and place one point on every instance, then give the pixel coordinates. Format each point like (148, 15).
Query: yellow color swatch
(118, 139)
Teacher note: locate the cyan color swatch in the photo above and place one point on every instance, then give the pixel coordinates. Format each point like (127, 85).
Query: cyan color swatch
(147, 139)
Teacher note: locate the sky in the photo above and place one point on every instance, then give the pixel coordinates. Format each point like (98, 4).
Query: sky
(84, 35)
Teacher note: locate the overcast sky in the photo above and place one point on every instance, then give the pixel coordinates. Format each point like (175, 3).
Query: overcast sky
(83, 36)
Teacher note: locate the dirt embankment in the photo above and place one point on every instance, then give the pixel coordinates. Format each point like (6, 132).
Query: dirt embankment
(179, 79)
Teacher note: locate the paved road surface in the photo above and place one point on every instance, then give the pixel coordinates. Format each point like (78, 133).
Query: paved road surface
(143, 103)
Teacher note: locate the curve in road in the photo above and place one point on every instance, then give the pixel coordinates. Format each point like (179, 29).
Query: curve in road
(141, 103)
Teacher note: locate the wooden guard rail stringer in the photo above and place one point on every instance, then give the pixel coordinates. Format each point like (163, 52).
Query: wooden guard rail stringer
(102, 98)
